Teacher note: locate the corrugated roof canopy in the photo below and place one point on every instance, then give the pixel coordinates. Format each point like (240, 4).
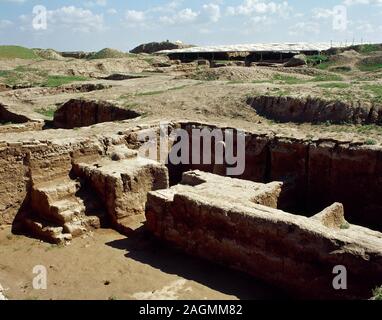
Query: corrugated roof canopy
(260, 47)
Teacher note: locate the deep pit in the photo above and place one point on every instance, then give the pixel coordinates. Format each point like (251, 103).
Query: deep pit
(315, 174)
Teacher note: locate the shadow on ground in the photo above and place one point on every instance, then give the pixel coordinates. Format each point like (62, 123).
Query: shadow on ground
(142, 247)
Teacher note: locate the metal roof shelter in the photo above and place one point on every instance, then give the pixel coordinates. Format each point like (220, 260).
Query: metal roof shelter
(260, 47)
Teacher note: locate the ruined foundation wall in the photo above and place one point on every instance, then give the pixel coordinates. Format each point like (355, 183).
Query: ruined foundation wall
(315, 174)
(25, 164)
(315, 110)
(292, 252)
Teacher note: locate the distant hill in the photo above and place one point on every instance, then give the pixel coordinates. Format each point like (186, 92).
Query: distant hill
(14, 52)
(153, 47)
(108, 53)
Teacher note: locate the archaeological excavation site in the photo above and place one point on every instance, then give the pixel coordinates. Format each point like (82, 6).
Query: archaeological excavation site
(117, 173)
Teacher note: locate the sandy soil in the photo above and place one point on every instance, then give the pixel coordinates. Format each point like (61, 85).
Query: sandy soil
(124, 268)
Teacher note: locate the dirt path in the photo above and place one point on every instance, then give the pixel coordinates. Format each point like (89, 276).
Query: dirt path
(107, 265)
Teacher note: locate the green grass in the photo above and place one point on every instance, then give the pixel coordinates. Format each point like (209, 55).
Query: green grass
(152, 93)
(329, 77)
(324, 65)
(56, 81)
(332, 85)
(370, 142)
(376, 90)
(281, 92)
(317, 59)
(368, 48)
(109, 53)
(47, 112)
(377, 294)
(366, 67)
(13, 52)
(367, 129)
(261, 81)
(4, 73)
(345, 226)
(288, 79)
(235, 82)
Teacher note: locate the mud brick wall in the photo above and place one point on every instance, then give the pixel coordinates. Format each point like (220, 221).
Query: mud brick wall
(315, 174)
(292, 252)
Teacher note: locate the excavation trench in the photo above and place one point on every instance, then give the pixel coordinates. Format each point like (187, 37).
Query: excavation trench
(315, 110)
(315, 174)
(83, 113)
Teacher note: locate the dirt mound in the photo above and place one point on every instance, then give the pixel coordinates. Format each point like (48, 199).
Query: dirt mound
(108, 53)
(236, 74)
(159, 46)
(48, 54)
(350, 57)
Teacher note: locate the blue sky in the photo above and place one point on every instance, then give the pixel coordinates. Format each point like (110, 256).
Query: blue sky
(123, 24)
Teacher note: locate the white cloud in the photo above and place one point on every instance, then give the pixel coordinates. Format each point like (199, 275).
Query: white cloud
(69, 18)
(213, 11)
(322, 13)
(76, 19)
(5, 24)
(303, 28)
(101, 3)
(15, 1)
(134, 17)
(249, 7)
(112, 11)
(183, 16)
(366, 27)
(355, 2)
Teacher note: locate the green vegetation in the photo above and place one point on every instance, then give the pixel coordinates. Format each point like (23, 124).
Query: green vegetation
(376, 90)
(13, 52)
(288, 79)
(281, 92)
(235, 82)
(151, 93)
(345, 226)
(377, 294)
(56, 81)
(47, 112)
(370, 142)
(36, 77)
(317, 59)
(332, 85)
(367, 129)
(368, 48)
(324, 65)
(327, 77)
(368, 67)
(108, 53)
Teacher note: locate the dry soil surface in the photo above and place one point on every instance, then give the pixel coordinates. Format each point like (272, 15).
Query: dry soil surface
(106, 265)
